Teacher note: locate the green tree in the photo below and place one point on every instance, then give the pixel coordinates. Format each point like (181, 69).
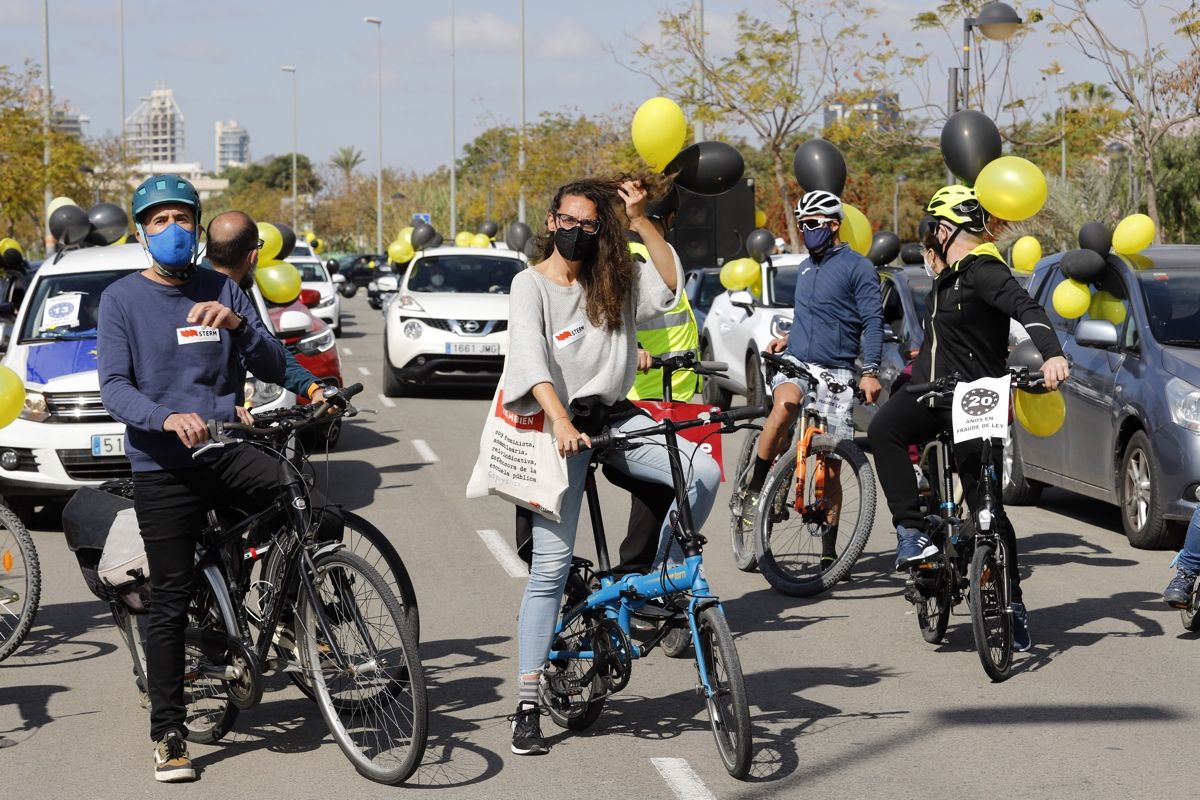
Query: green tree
(1177, 165)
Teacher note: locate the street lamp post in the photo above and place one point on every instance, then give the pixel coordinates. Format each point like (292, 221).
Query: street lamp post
(1119, 147)
(521, 136)
(295, 142)
(46, 194)
(378, 23)
(453, 136)
(901, 178)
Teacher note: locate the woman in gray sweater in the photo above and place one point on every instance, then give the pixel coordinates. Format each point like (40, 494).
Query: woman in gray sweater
(572, 353)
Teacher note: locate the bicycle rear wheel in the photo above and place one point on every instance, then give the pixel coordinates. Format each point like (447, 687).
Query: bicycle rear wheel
(990, 616)
(799, 552)
(741, 535)
(20, 582)
(374, 699)
(728, 709)
(933, 614)
(572, 689)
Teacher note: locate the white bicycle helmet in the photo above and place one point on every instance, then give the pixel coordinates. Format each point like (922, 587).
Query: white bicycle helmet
(819, 203)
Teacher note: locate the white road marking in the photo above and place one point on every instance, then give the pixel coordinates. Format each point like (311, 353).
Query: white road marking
(387, 401)
(364, 370)
(683, 781)
(347, 351)
(504, 554)
(425, 450)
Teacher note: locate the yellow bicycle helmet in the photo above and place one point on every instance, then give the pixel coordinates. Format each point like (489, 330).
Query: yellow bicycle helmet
(958, 205)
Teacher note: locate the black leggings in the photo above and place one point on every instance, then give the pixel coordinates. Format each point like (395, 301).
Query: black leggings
(903, 421)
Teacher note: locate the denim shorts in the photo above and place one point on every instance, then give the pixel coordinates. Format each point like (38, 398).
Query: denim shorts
(839, 425)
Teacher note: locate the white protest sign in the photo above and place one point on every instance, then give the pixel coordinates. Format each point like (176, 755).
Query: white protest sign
(980, 409)
(61, 311)
(830, 403)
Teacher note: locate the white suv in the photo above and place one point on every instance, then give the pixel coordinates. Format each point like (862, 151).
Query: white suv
(449, 320)
(738, 326)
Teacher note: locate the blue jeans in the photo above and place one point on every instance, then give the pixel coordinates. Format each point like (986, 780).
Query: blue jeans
(1189, 556)
(554, 542)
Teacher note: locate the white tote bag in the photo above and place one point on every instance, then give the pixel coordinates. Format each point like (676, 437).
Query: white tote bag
(518, 460)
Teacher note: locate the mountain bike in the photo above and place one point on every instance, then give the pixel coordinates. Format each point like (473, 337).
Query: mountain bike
(972, 560)
(591, 656)
(20, 582)
(808, 531)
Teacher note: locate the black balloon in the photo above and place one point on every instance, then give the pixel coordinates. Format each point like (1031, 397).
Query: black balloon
(69, 225)
(760, 244)
(1027, 355)
(1095, 236)
(969, 141)
(885, 246)
(912, 253)
(436, 241)
(530, 248)
(517, 235)
(109, 222)
(422, 235)
(489, 229)
(707, 167)
(1082, 265)
(289, 241)
(818, 164)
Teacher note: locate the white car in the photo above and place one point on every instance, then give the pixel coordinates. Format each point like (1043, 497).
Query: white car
(449, 320)
(314, 275)
(738, 326)
(64, 438)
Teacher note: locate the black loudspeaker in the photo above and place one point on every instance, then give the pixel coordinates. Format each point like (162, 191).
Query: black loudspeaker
(712, 229)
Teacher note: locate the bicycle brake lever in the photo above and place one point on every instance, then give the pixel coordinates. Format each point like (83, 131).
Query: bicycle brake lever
(211, 445)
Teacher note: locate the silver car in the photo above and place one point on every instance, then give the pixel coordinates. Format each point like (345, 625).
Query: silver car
(1132, 430)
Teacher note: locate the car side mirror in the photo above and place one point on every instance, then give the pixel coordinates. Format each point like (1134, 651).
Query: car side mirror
(743, 300)
(337, 278)
(1098, 333)
(889, 336)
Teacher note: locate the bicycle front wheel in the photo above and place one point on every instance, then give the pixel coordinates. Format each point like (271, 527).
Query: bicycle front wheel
(990, 617)
(20, 582)
(803, 549)
(372, 545)
(365, 671)
(742, 535)
(728, 709)
(933, 613)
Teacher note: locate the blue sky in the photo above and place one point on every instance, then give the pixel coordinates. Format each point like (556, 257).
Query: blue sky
(222, 58)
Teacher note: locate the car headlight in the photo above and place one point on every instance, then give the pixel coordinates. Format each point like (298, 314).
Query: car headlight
(327, 302)
(311, 345)
(259, 393)
(780, 326)
(407, 302)
(413, 329)
(1184, 401)
(35, 409)
(373, 286)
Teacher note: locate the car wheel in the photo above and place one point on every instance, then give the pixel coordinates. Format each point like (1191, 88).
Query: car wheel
(1140, 496)
(712, 392)
(1018, 490)
(392, 385)
(756, 393)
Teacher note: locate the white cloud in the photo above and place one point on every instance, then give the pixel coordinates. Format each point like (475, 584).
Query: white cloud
(481, 33)
(568, 40)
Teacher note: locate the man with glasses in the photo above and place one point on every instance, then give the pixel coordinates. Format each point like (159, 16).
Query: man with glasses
(837, 307)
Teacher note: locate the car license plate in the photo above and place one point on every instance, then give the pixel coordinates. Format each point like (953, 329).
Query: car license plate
(472, 349)
(108, 444)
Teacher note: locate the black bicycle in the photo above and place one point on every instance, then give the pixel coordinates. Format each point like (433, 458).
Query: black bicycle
(20, 582)
(972, 560)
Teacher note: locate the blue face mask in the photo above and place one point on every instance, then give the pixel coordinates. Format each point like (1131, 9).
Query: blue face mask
(816, 241)
(172, 247)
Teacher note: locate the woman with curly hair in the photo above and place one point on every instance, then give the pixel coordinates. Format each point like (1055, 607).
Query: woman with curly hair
(572, 354)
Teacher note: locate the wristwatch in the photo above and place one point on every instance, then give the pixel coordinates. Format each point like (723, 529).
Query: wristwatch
(242, 324)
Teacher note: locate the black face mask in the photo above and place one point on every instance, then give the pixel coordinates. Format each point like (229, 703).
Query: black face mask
(575, 244)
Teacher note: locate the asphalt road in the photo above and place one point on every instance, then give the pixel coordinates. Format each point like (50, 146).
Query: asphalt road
(847, 700)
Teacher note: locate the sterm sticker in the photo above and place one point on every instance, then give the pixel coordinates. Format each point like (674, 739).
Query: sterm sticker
(569, 335)
(197, 334)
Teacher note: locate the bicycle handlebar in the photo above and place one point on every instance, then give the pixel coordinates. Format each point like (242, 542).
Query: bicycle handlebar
(689, 361)
(724, 418)
(1022, 379)
(283, 421)
(802, 372)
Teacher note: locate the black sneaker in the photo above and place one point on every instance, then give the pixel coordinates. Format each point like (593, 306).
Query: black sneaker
(1179, 591)
(527, 731)
(171, 762)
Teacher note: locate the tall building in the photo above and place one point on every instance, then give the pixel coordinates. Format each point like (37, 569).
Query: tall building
(154, 131)
(882, 110)
(233, 146)
(63, 119)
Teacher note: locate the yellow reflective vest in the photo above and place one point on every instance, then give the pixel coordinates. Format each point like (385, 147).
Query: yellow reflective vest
(672, 334)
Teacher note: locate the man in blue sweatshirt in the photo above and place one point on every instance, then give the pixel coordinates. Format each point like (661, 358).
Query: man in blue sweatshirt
(838, 311)
(169, 343)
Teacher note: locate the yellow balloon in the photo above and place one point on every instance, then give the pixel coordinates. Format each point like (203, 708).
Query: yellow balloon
(123, 240)
(1139, 261)
(1106, 305)
(1040, 414)
(9, 243)
(1011, 188)
(658, 129)
(405, 235)
(756, 286)
(464, 239)
(1133, 234)
(481, 240)
(272, 243)
(58, 203)
(12, 396)
(760, 218)
(740, 273)
(400, 252)
(1071, 299)
(855, 229)
(309, 236)
(1026, 253)
(278, 281)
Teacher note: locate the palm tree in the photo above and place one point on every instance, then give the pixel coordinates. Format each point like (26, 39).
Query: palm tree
(346, 160)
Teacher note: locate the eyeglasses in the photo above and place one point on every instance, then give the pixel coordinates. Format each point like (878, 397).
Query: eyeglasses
(814, 224)
(260, 244)
(567, 223)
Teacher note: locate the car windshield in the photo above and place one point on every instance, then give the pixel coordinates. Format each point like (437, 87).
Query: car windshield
(783, 287)
(310, 271)
(918, 287)
(476, 274)
(66, 306)
(1172, 306)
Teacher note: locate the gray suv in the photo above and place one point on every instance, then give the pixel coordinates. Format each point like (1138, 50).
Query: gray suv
(1132, 430)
